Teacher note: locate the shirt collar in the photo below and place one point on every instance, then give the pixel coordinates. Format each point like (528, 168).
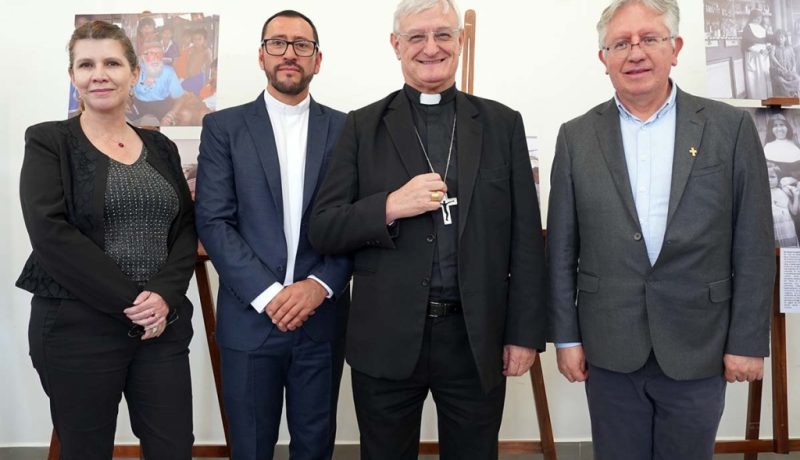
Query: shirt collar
(276, 106)
(418, 98)
(668, 105)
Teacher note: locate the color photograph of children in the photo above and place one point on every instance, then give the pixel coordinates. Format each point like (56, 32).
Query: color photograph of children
(177, 54)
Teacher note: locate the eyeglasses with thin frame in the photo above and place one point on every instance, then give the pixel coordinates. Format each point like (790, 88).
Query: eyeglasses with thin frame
(623, 47)
(418, 37)
(278, 46)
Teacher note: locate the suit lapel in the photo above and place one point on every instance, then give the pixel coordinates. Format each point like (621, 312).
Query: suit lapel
(260, 129)
(469, 134)
(688, 134)
(609, 137)
(400, 125)
(318, 122)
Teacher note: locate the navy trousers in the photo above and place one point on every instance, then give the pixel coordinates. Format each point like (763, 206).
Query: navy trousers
(254, 384)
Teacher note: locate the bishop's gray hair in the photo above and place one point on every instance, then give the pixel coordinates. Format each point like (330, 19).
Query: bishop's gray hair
(409, 7)
(667, 8)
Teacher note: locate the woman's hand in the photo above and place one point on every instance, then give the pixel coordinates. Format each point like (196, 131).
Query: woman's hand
(150, 311)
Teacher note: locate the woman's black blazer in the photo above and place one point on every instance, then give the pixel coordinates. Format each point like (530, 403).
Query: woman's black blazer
(62, 190)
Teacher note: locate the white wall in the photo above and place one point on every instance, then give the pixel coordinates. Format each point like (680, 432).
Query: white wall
(537, 57)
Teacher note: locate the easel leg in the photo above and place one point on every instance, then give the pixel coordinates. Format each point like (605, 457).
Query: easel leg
(209, 320)
(753, 415)
(780, 411)
(542, 411)
(55, 447)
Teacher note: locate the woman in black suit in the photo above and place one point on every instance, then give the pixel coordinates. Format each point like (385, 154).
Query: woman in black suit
(111, 224)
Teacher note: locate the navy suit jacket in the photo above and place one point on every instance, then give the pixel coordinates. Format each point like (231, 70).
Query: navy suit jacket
(239, 208)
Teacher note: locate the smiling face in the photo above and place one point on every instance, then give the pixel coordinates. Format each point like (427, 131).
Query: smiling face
(640, 77)
(289, 75)
(101, 74)
(153, 60)
(429, 66)
(779, 129)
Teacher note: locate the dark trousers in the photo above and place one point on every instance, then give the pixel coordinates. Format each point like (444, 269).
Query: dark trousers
(339, 342)
(646, 415)
(389, 411)
(253, 385)
(86, 362)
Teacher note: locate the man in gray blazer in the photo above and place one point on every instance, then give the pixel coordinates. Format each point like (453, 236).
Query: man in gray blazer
(661, 248)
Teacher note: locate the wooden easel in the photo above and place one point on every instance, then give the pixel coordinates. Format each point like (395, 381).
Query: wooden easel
(780, 443)
(546, 444)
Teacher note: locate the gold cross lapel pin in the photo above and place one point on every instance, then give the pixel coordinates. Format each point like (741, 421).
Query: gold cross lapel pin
(693, 151)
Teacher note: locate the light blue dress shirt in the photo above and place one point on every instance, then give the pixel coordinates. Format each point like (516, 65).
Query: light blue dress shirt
(649, 147)
(166, 85)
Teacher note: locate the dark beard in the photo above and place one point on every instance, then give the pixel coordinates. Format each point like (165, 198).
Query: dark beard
(292, 89)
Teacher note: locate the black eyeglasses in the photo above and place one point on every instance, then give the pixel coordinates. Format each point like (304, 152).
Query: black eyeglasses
(278, 46)
(138, 331)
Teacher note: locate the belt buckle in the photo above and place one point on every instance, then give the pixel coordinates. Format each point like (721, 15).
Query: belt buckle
(435, 310)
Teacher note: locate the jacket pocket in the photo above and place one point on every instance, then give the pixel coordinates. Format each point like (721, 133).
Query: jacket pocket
(706, 170)
(720, 291)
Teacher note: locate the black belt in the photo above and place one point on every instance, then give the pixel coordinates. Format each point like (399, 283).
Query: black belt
(441, 309)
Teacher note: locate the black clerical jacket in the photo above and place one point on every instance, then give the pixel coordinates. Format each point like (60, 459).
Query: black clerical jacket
(500, 252)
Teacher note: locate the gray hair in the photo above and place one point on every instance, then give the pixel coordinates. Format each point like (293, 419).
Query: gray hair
(409, 7)
(668, 8)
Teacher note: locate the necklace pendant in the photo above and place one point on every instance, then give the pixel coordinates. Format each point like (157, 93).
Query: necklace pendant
(446, 204)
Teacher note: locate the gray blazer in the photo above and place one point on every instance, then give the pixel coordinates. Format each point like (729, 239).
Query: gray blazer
(710, 290)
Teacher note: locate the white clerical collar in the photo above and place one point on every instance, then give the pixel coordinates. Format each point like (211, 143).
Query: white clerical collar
(274, 105)
(429, 99)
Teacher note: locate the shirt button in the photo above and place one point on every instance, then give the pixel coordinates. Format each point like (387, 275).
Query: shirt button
(430, 238)
(426, 281)
(637, 236)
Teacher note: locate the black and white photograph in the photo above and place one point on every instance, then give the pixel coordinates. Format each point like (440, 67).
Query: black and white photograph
(533, 155)
(752, 48)
(778, 130)
(177, 54)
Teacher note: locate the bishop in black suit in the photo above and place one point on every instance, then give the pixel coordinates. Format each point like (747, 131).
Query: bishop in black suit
(432, 192)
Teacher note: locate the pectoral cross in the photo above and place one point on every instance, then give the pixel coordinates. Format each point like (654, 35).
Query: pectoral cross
(445, 204)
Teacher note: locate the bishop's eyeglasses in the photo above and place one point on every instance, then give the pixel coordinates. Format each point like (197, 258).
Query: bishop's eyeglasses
(278, 46)
(623, 47)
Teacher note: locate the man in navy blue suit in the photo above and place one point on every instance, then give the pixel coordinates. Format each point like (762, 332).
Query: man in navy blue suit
(281, 305)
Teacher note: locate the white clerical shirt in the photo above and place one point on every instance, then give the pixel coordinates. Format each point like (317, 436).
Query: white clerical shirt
(290, 129)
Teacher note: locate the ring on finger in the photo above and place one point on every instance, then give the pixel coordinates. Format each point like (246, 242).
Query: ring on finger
(434, 196)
